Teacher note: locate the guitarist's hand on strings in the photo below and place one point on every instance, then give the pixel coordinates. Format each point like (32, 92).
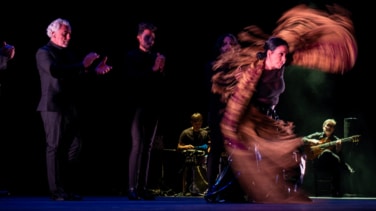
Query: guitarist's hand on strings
(312, 141)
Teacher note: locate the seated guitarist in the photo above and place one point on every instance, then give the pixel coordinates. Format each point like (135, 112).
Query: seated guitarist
(327, 158)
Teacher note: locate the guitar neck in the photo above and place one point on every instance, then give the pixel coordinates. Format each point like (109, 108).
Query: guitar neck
(331, 143)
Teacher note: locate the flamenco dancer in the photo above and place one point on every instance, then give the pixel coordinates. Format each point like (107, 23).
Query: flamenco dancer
(264, 148)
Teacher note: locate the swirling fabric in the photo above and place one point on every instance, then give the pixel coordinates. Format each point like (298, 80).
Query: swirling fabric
(264, 151)
(319, 40)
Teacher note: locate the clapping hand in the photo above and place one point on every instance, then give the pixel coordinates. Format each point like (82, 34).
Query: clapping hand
(159, 63)
(102, 67)
(7, 50)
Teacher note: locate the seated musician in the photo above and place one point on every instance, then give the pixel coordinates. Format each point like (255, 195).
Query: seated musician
(327, 158)
(194, 144)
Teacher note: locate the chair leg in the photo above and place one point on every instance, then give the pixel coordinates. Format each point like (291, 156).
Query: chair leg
(184, 180)
(315, 183)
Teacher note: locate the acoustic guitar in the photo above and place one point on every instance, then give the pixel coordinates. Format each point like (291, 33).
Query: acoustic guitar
(313, 150)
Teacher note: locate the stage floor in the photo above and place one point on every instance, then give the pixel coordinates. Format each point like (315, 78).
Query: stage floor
(118, 203)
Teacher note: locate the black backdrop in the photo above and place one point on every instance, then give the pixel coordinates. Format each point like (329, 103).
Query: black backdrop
(186, 35)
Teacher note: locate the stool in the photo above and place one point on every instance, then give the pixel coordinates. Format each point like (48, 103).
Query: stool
(194, 164)
(323, 183)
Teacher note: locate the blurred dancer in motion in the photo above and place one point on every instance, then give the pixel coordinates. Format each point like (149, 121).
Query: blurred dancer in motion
(225, 42)
(264, 148)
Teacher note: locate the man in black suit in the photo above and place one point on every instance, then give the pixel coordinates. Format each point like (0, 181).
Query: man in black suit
(7, 53)
(60, 71)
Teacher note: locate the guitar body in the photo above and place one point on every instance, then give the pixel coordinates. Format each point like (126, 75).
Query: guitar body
(314, 150)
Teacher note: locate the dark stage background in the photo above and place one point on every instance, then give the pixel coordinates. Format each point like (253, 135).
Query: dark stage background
(186, 35)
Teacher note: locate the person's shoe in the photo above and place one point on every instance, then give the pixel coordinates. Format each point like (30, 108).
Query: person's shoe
(196, 194)
(147, 195)
(187, 194)
(4, 192)
(350, 169)
(132, 195)
(59, 197)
